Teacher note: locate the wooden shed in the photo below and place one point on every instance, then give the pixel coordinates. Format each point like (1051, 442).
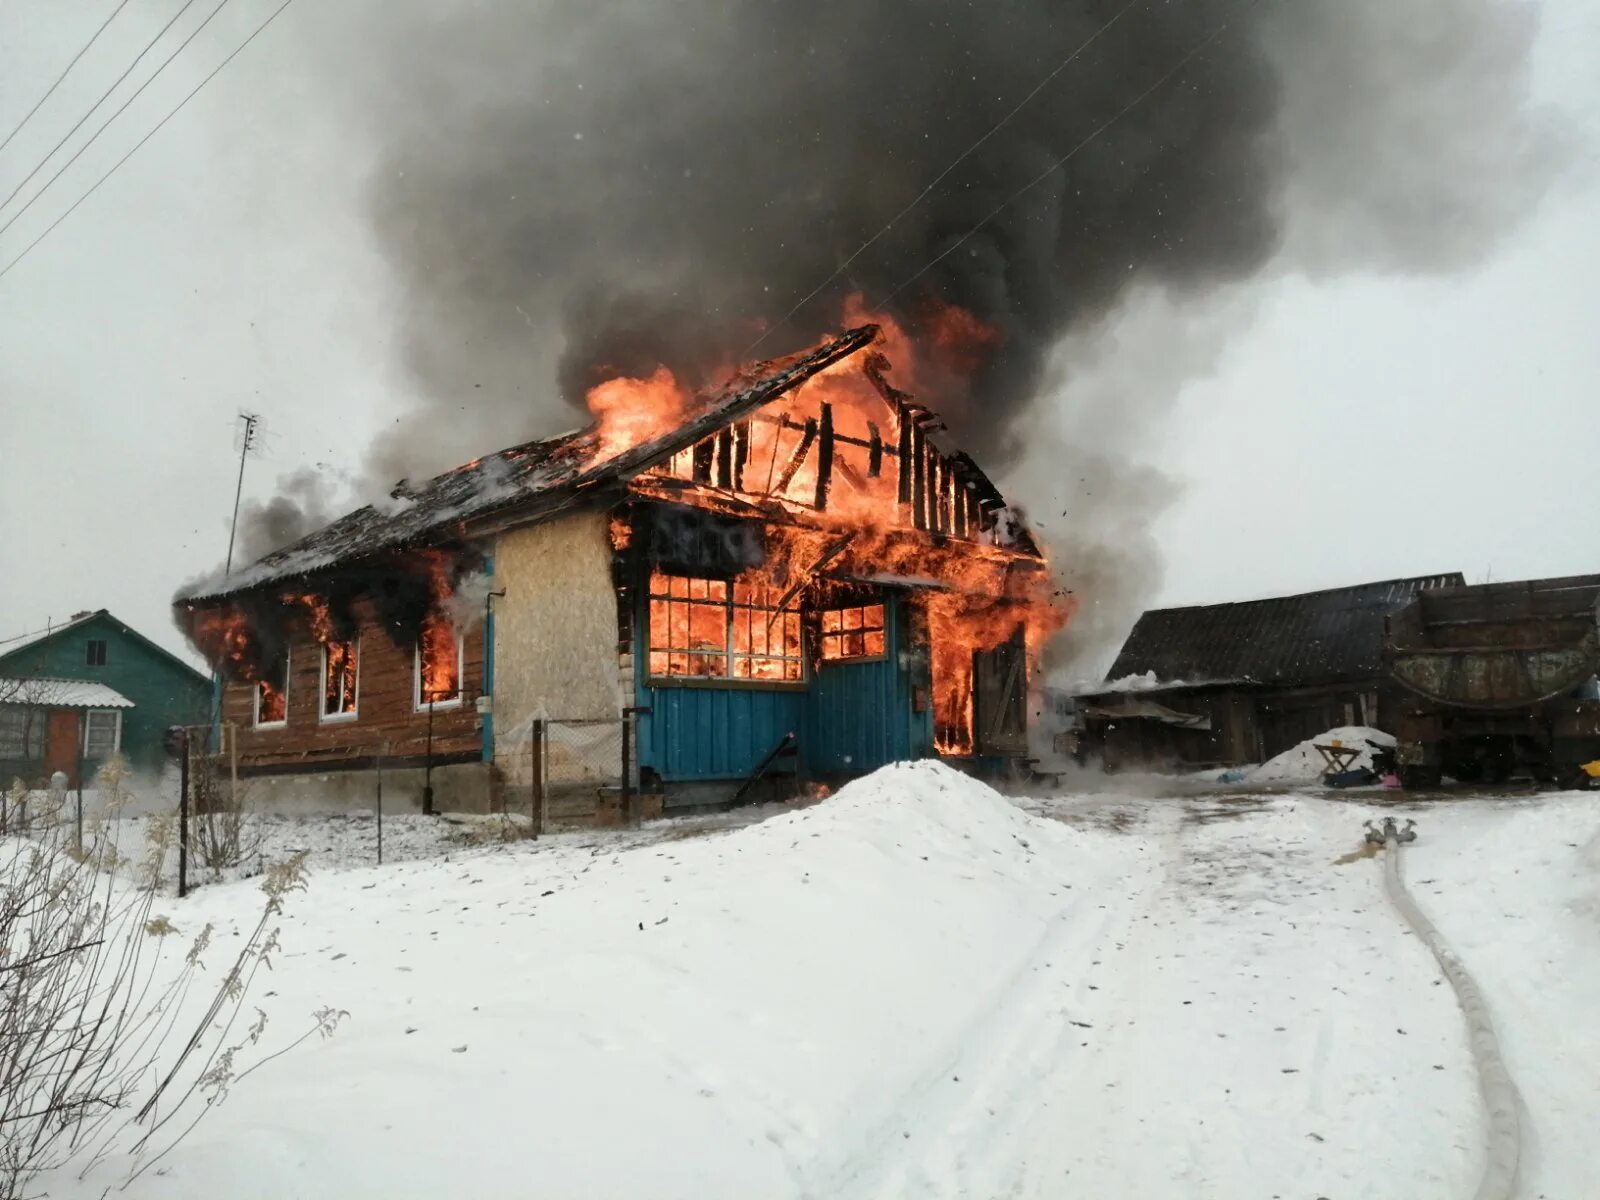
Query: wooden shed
(1229, 684)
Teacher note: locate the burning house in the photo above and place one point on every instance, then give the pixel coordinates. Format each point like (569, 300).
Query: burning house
(793, 572)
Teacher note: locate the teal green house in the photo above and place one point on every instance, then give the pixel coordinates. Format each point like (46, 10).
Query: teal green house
(88, 689)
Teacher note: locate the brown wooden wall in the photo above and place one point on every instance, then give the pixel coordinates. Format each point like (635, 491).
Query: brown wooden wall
(386, 720)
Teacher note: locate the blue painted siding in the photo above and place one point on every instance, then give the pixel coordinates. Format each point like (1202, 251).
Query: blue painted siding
(851, 717)
(858, 714)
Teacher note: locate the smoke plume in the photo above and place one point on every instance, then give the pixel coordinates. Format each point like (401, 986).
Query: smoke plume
(568, 190)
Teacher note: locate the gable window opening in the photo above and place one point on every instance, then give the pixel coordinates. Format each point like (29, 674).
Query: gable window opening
(272, 694)
(714, 629)
(96, 654)
(340, 677)
(438, 664)
(853, 633)
(102, 733)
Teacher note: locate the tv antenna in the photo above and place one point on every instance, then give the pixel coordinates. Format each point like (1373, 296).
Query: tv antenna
(249, 432)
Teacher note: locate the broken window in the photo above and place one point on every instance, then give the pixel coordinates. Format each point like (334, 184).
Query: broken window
(439, 656)
(340, 665)
(96, 655)
(272, 692)
(102, 733)
(711, 629)
(855, 632)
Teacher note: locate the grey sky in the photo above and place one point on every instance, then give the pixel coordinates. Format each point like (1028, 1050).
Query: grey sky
(1349, 429)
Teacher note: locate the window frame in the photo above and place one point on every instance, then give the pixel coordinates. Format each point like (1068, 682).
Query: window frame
(116, 731)
(255, 692)
(324, 717)
(33, 732)
(729, 608)
(418, 703)
(824, 635)
(89, 649)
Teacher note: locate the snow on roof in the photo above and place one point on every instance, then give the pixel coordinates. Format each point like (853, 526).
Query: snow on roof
(539, 479)
(22, 641)
(61, 693)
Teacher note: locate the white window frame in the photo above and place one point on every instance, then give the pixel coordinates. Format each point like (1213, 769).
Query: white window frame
(421, 705)
(116, 729)
(33, 730)
(323, 715)
(255, 691)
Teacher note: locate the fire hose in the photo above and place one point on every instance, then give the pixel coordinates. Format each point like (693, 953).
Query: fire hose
(1503, 1144)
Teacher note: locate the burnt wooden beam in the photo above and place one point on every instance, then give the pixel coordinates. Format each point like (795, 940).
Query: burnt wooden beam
(785, 421)
(807, 436)
(829, 552)
(876, 369)
(824, 455)
(725, 458)
(919, 467)
(741, 453)
(874, 451)
(704, 454)
(905, 459)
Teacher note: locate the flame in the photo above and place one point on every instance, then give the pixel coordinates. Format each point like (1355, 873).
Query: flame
(851, 518)
(440, 667)
(630, 412)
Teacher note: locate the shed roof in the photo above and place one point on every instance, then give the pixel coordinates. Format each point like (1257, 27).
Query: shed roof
(61, 693)
(536, 479)
(1329, 636)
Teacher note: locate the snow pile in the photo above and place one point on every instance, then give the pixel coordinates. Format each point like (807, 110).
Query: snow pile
(743, 1014)
(1305, 764)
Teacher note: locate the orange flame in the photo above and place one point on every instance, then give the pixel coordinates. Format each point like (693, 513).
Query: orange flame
(631, 412)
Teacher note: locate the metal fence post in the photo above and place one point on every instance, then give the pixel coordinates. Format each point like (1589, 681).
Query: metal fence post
(379, 761)
(183, 820)
(536, 776)
(627, 767)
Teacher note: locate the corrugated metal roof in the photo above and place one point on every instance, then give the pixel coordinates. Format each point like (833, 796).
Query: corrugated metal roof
(1318, 637)
(61, 693)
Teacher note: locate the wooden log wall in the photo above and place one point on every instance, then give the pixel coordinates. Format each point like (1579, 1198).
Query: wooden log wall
(385, 702)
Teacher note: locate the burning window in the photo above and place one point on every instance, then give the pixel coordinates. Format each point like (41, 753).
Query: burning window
(339, 676)
(272, 692)
(438, 663)
(855, 632)
(714, 629)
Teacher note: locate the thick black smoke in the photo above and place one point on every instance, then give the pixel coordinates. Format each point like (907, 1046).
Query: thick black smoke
(569, 189)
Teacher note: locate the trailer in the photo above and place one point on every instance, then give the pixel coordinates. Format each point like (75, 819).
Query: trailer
(1491, 679)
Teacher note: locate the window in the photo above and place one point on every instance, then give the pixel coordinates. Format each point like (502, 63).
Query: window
(96, 652)
(102, 733)
(340, 675)
(21, 731)
(852, 633)
(272, 693)
(438, 673)
(714, 629)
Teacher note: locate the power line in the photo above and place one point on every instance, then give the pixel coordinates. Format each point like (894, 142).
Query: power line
(273, 16)
(79, 124)
(1065, 158)
(194, 33)
(50, 91)
(939, 178)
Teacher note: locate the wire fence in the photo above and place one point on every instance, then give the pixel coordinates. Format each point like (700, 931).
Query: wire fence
(568, 770)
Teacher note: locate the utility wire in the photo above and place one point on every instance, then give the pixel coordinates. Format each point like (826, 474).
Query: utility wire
(50, 91)
(271, 17)
(79, 124)
(137, 92)
(939, 178)
(1064, 159)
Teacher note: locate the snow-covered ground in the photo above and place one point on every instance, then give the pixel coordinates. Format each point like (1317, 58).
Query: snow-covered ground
(917, 988)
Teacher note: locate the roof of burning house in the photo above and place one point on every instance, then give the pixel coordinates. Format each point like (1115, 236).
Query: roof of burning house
(1318, 637)
(535, 480)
